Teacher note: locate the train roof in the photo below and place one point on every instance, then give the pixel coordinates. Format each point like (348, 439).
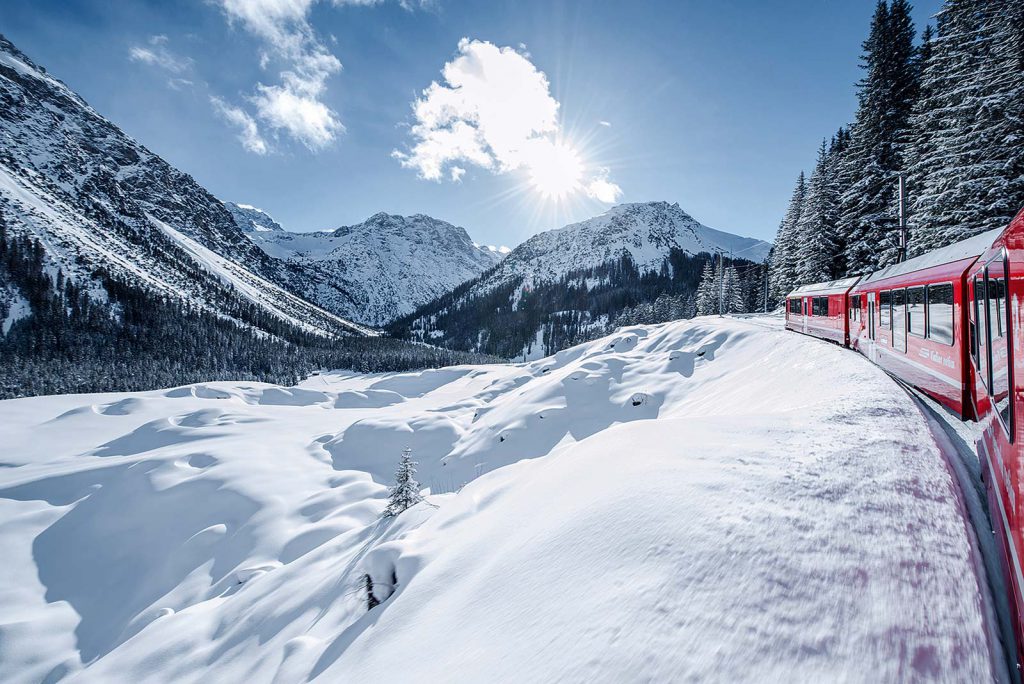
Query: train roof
(971, 248)
(827, 288)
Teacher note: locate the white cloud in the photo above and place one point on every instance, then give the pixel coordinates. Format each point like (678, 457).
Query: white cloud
(156, 53)
(457, 173)
(602, 189)
(494, 109)
(295, 105)
(248, 131)
(606, 124)
(494, 103)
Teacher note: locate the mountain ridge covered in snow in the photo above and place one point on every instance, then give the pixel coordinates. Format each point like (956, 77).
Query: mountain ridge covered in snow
(96, 199)
(566, 285)
(374, 271)
(645, 231)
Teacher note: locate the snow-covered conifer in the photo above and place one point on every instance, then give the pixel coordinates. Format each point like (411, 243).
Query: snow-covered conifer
(707, 292)
(869, 212)
(406, 492)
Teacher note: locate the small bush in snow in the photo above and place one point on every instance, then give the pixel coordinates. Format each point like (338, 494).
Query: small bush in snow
(371, 600)
(406, 492)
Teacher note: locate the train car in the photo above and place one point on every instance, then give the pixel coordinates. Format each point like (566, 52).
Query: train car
(910, 319)
(995, 286)
(820, 310)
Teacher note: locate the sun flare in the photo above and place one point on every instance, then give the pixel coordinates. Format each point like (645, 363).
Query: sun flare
(556, 170)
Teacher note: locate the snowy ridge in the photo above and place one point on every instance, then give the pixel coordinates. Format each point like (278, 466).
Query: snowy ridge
(251, 219)
(377, 270)
(644, 231)
(94, 198)
(701, 483)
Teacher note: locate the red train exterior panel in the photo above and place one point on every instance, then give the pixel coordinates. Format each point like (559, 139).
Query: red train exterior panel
(995, 291)
(820, 310)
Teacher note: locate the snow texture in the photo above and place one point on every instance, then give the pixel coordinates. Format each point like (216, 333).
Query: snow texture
(711, 500)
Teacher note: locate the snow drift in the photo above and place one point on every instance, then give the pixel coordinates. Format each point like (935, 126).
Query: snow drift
(704, 500)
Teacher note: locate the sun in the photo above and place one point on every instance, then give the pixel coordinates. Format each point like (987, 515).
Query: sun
(556, 170)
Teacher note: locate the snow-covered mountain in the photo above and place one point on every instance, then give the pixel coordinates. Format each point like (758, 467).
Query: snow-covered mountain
(251, 219)
(645, 231)
(689, 502)
(98, 200)
(374, 271)
(568, 284)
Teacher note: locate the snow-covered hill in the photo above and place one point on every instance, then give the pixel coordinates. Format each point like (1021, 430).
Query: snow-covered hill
(710, 500)
(97, 199)
(646, 231)
(377, 270)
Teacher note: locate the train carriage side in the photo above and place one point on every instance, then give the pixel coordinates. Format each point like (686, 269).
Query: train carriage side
(819, 309)
(911, 320)
(995, 285)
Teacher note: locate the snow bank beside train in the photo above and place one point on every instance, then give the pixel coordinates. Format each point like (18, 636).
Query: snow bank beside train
(710, 500)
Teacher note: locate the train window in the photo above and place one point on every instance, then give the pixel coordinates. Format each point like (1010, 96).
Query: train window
(899, 320)
(940, 313)
(794, 306)
(999, 341)
(884, 312)
(819, 306)
(996, 305)
(981, 313)
(854, 307)
(915, 311)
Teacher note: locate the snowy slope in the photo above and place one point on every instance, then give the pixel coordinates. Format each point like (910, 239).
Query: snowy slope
(645, 231)
(699, 501)
(96, 198)
(377, 270)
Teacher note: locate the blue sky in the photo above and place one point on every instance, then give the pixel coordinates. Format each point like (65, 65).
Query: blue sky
(552, 110)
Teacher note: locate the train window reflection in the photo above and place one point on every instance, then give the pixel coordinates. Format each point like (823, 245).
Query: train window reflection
(940, 313)
(884, 300)
(915, 311)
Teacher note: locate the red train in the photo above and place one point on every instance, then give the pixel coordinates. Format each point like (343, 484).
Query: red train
(948, 323)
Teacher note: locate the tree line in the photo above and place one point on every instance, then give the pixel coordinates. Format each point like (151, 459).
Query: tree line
(945, 111)
(108, 334)
(523, 317)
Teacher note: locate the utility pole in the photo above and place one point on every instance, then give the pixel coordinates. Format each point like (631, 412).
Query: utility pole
(902, 253)
(721, 283)
(766, 285)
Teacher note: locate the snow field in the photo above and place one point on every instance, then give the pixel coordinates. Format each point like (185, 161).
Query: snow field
(709, 500)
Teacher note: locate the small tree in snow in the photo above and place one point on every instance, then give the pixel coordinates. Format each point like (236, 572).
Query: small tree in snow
(406, 492)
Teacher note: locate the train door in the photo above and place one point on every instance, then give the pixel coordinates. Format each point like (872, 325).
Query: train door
(807, 312)
(899, 320)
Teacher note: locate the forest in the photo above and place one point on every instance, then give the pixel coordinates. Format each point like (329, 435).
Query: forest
(944, 110)
(125, 338)
(517, 317)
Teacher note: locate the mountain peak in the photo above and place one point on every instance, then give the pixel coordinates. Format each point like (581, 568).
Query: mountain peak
(252, 219)
(379, 269)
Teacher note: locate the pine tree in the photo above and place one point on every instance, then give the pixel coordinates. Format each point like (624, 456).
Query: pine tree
(406, 492)
(968, 162)
(733, 297)
(707, 292)
(869, 212)
(816, 229)
(784, 254)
